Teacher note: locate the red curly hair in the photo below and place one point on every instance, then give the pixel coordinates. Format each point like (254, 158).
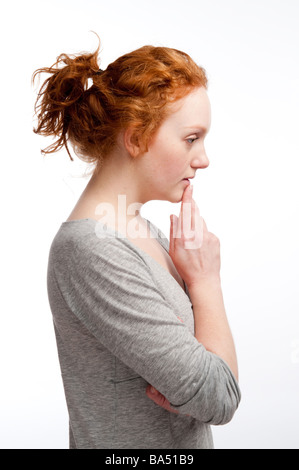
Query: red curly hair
(133, 92)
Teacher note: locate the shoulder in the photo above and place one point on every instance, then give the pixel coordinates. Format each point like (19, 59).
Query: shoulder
(85, 242)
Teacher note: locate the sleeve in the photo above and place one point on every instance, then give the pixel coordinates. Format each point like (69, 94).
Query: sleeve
(110, 289)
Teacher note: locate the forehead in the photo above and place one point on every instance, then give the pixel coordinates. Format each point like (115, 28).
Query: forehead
(192, 111)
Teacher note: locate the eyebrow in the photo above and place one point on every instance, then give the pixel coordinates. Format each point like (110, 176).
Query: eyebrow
(197, 128)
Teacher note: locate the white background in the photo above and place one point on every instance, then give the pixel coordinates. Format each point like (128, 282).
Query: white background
(248, 197)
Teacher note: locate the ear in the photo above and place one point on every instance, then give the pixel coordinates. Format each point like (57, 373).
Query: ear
(131, 142)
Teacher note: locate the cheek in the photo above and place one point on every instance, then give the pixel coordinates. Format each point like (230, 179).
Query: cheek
(170, 160)
(167, 161)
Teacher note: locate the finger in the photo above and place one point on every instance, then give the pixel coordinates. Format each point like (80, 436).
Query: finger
(194, 215)
(199, 231)
(185, 212)
(187, 194)
(173, 230)
(171, 235)
(175, 225)
(205, 228)
(159, 399)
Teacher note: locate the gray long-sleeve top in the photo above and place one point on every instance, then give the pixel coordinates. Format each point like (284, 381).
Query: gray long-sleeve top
(123, 322)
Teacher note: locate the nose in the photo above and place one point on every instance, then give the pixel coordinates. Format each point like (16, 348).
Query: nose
(201, 162)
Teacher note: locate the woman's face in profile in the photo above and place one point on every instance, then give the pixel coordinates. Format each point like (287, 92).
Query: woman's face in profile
(177, 150)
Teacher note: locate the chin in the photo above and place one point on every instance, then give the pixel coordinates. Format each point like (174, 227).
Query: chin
(170, 196)
(175, 198)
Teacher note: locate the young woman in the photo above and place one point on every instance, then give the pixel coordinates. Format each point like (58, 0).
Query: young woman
(145, 349)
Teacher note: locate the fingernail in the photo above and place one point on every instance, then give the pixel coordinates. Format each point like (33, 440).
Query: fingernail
(191, 188)
(153, 390)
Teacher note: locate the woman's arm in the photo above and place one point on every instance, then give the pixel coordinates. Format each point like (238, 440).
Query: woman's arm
(211, 324)
(196, 255)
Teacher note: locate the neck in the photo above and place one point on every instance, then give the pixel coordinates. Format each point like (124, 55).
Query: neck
(114, 193)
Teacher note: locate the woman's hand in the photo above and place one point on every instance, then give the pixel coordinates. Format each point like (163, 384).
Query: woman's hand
(159, 399)
(194, 251)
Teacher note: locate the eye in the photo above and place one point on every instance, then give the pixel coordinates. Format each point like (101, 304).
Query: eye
(191, 140)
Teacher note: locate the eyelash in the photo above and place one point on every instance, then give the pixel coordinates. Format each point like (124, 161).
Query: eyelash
(192, 140)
